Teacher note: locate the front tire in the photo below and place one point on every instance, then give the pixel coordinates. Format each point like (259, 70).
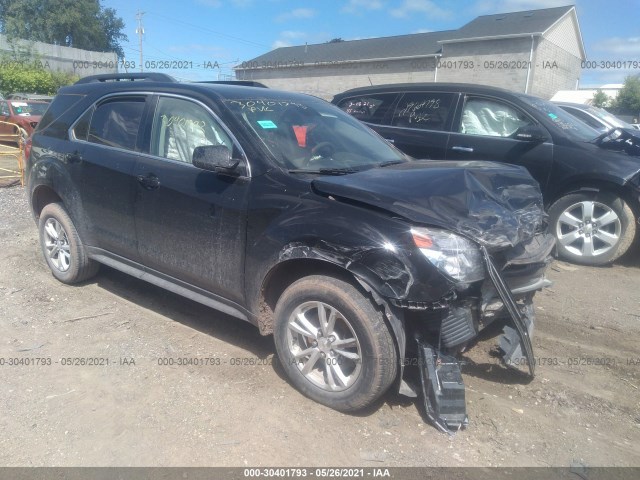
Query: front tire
(62, 248)
(592, 228)
(334, 344)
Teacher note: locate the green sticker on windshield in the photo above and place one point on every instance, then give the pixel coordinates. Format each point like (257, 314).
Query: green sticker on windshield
(267, 124)
(552, 115)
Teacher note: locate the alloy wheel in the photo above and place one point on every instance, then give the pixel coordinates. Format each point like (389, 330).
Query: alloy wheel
(57, 245)
(324, 345)
(588, 228)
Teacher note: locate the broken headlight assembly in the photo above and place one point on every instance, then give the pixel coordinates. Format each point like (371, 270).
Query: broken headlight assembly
(452, 254)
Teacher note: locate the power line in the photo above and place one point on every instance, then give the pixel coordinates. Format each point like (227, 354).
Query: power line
(237, 39)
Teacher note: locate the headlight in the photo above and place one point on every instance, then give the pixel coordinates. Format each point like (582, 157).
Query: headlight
(452, 254)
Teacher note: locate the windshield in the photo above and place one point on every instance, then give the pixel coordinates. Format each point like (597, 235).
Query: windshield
(571, 126)
(305, 133)
(28, 108)
(608, 118)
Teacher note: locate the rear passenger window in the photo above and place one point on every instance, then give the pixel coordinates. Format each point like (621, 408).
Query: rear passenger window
(426, 110)
(116, 122)
(371, 108)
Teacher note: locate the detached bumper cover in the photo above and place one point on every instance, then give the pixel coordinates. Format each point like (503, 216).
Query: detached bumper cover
(440, 376)
(522, 326)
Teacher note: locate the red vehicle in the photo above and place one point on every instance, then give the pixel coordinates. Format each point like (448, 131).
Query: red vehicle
(24, 113)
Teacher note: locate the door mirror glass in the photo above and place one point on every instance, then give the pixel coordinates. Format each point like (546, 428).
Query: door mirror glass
(216, 158)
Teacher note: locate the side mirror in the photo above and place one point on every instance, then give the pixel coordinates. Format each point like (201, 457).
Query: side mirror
(216, 158)
(530, 133)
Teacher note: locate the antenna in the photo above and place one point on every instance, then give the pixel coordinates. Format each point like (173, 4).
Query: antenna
(140, 32)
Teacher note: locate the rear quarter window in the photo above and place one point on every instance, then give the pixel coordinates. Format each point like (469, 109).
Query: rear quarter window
(54, 122)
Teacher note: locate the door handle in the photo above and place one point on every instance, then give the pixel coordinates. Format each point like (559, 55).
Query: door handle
(462, 149)
(150, 181)
(390, 140)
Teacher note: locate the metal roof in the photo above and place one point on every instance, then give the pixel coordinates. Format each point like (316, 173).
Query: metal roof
(529, 22)
(409, 46)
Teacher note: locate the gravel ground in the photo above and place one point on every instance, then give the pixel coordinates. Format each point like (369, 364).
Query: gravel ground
(582, 407)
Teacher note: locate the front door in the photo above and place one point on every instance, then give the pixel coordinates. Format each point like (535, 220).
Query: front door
(485, 131)
(190, 222)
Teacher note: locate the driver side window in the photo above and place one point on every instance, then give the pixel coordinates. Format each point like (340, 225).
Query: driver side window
(482, 116)
(179, 126)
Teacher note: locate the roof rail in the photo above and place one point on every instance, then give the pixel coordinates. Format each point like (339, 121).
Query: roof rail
(242, 83)
(127, 77)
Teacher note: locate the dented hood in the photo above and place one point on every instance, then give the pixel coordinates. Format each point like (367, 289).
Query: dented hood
(495, 204)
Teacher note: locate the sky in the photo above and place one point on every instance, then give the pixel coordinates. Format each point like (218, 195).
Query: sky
(207, 38)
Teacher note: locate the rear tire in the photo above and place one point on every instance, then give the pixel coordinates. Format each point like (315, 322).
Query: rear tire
(334, 344)
(592, 228)
(62, 247)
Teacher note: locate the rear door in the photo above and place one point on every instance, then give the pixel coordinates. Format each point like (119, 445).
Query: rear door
(190, 222)
(484, 129)
(105, 150)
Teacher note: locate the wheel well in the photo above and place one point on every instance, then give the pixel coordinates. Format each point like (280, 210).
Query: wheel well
(284, 274)
(42, 197)
(597, 186)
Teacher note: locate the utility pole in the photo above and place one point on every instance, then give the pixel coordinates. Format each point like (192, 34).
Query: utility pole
(140, 32)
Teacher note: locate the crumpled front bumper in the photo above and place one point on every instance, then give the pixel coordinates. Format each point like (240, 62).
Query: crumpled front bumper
(507, 293)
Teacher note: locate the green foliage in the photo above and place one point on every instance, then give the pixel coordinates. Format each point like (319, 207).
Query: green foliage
(28, 78)
(601, 99)
(628, 99)
(85, 22)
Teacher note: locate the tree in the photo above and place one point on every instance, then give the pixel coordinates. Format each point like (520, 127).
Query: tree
(629, 96)
(78, 23)
(600, 99)
(335, 40)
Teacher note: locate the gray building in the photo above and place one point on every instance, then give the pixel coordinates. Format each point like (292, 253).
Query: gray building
(535, 51)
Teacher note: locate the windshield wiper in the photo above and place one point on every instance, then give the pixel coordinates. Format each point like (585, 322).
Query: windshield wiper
(325, 171)
(390, 162)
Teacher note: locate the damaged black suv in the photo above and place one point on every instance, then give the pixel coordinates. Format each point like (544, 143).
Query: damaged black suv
(281, 210)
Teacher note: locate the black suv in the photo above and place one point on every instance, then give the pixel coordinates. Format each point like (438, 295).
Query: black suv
(281, 210)
(590, 181)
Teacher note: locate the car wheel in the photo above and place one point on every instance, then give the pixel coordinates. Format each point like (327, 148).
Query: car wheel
(592, 229)
(334, 344)
(62, 247)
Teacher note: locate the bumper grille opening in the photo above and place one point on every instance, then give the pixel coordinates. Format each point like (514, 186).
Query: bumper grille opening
(457, 327)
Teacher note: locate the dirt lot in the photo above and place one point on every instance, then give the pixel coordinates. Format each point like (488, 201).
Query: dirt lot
(135, 412)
